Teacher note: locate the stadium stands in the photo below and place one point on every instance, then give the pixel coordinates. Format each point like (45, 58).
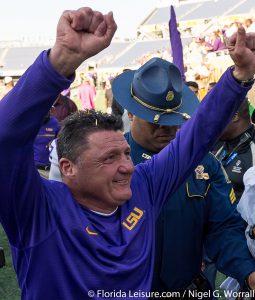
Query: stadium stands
(212, 9)
(130, 58)
(108, 55)
(120, 54)
(246, 6)
(202, 10)
(16, 60)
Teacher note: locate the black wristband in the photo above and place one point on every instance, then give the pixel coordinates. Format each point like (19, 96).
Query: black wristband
(245, 83)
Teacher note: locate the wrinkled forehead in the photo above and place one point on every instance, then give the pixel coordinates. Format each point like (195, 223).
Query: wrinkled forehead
(107, 139)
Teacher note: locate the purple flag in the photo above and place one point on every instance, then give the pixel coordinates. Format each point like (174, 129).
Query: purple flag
(176, 43)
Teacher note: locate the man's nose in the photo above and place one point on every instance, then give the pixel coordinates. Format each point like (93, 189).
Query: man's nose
(126, 165)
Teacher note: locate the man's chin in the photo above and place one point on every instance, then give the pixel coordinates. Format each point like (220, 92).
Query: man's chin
(124, 197)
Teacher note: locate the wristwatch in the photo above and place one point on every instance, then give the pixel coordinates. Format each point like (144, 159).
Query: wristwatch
(245, 83)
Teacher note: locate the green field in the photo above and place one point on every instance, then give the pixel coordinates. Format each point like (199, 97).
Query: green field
(8, 283)
(99, 101)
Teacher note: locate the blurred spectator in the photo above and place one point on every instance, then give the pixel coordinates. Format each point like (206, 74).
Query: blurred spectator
(232, 29)
(249, 25)
(190, 73)
(211, 85)
(87, 93)
(237, 148)
(93, 80)
(117, 109)
(193, 86)
(202, 73)
(217, 43)
(108, 97)
(8, 85)
(47, 133)
(63, 107)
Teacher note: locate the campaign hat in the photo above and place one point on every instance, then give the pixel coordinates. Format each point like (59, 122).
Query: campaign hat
(156, 93)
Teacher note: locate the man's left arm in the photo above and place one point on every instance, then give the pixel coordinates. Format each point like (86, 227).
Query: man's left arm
(167, 170)
(174, 163)
(225, 236)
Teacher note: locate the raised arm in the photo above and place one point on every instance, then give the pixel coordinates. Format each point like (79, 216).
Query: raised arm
(80, 35)
(197, 136)
(241, 48)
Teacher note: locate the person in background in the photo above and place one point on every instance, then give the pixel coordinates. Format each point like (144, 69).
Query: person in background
(94, 233)
(87, 94)
(108, 97)
(217, 43)
(236, 148)
(62, 107)
(47, 133)
(117, 110)
(200, 214)
(249, 25)
(8, 85)
(193, 85)
(208, 266)
(211, 85)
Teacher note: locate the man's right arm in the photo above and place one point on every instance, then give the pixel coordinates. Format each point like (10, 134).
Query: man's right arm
(21, 114)
(80, 34)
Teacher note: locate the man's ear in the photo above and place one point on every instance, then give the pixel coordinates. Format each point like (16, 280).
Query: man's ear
(130, 116)
(66, 167)
(236, 117)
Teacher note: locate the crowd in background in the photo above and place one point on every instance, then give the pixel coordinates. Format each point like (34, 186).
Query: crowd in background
(201, 59)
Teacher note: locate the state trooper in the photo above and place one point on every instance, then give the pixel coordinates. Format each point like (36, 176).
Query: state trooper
(201, 213)
(237, 152)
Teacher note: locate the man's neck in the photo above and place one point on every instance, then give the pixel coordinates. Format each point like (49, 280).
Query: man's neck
(91, 204)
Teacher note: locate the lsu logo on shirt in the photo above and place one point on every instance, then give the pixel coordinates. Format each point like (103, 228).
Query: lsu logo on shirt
(133, 218)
